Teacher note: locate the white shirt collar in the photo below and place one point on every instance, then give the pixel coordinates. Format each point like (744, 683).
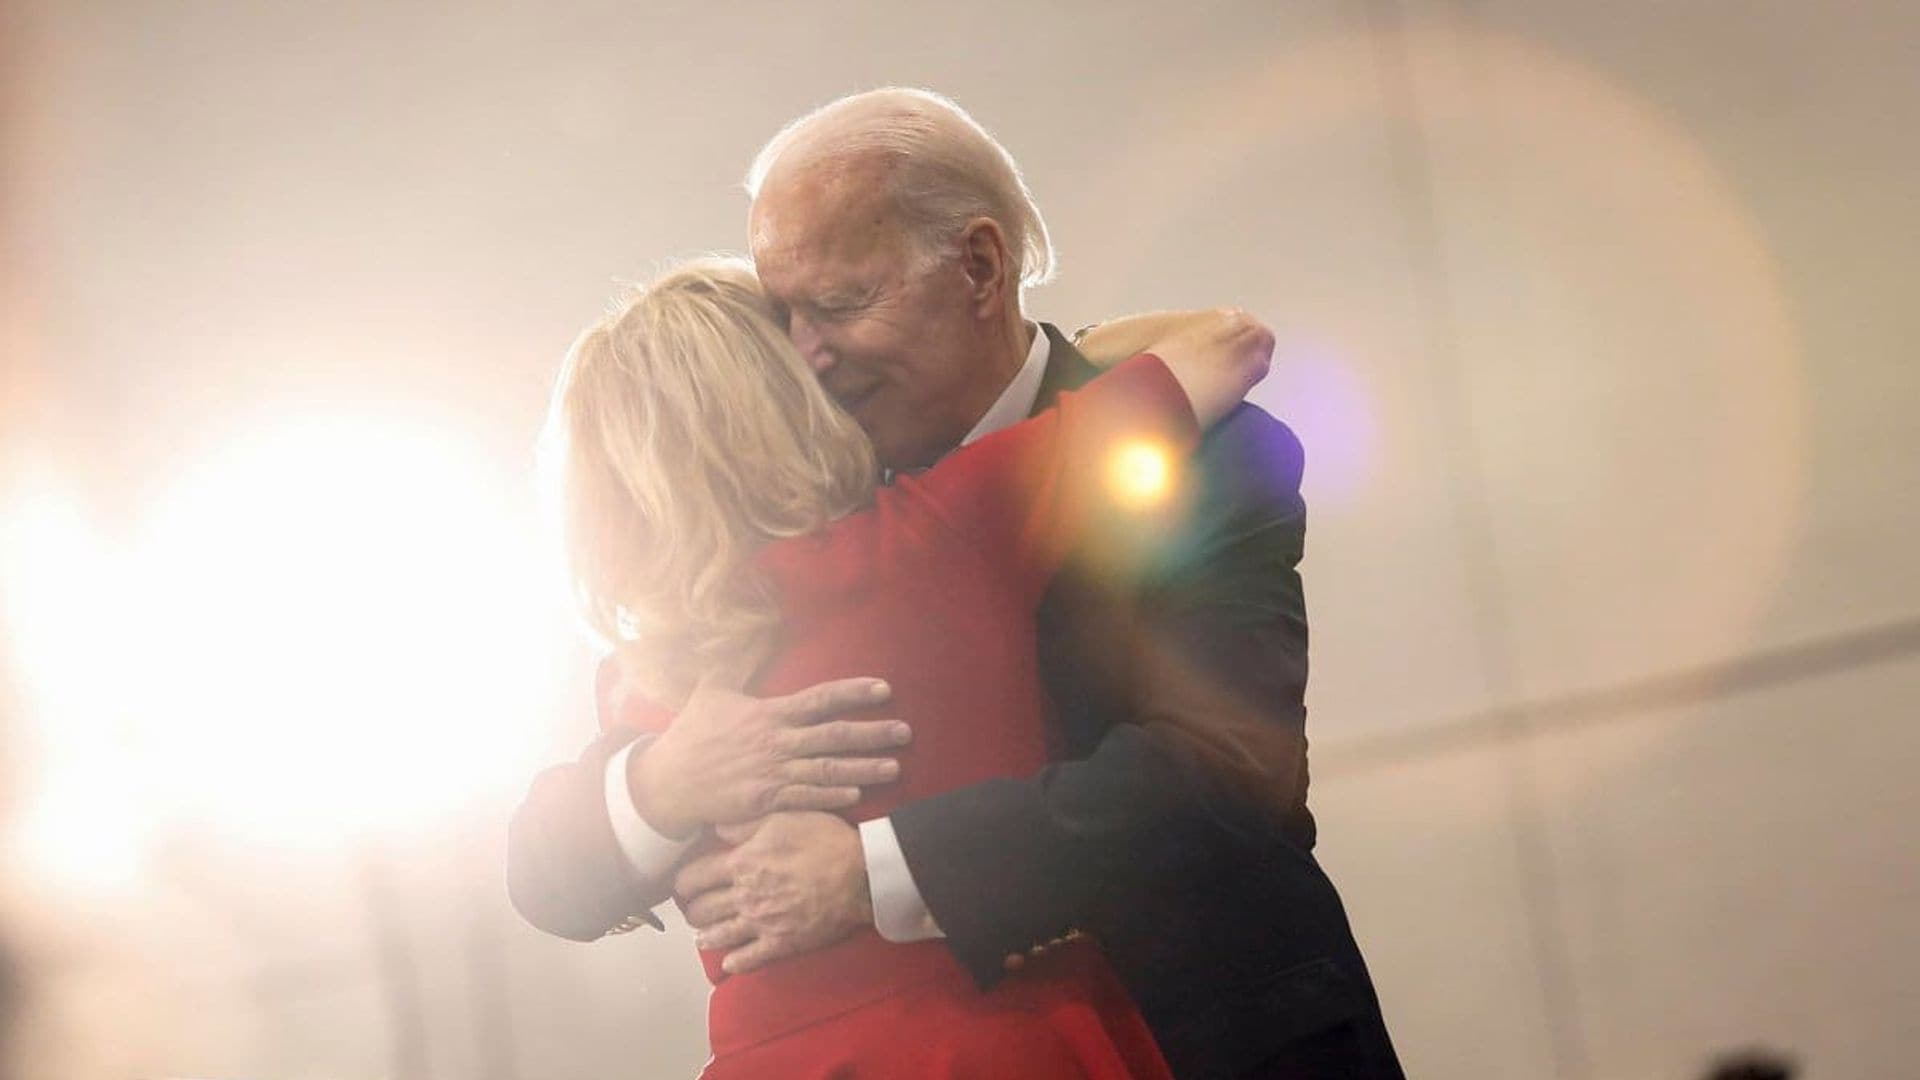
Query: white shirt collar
(1016, 401)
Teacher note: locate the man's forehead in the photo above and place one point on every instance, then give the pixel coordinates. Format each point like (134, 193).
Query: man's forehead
(810, 217)
(786, 265)
(779, 242)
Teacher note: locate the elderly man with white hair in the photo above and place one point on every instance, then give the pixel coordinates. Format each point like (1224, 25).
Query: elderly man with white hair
(896, 237)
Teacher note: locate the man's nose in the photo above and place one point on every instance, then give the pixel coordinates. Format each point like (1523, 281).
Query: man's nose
(806, 338)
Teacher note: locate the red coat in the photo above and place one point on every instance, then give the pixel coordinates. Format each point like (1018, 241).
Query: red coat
(934, 588)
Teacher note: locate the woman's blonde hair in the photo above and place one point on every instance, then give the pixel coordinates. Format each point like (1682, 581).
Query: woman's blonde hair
(686, 430)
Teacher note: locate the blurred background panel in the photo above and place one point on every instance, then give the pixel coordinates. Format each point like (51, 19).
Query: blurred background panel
(1597, 324)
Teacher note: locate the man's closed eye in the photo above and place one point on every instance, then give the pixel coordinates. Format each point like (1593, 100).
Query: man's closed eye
(837, 312)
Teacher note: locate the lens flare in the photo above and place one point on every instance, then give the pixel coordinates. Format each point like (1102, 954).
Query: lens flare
(1601, 331)
(1140, 474)
(346, 630)
(330, 628)
(82, 823)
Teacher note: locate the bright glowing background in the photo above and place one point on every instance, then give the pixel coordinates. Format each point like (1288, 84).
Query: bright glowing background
(328, 627)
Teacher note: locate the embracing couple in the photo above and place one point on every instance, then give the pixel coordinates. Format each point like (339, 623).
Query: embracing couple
(957, 667)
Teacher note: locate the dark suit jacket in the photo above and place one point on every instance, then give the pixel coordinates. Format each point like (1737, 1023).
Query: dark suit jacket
(1203, 892)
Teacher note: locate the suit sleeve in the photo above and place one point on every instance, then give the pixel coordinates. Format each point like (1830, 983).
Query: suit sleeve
(566, 872)
(1219, 645)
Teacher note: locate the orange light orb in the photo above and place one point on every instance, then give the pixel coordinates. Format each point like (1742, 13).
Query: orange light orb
(1140, 474)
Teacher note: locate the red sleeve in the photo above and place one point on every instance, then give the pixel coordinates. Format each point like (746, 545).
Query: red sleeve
(618, 704)
(1111, 451)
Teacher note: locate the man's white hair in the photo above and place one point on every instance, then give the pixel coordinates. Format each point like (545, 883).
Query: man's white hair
(943, 169)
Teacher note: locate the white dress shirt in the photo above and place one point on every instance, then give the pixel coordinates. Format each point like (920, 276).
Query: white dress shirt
(899, 912)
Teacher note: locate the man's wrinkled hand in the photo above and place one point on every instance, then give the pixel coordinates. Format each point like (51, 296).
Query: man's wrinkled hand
(796, 882)
(730, 758)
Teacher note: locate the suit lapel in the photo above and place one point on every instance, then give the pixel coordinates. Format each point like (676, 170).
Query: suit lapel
(1066, 368)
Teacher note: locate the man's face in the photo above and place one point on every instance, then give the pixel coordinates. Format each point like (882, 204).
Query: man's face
(896, 345)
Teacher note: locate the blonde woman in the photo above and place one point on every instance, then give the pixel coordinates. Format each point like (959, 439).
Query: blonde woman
(724, 524)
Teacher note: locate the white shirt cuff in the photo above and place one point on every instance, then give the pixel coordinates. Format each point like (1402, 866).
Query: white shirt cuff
(651, 854)
(899, 913)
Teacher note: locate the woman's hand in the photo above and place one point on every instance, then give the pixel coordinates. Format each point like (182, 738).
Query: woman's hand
(731, 758)
(1217, 354)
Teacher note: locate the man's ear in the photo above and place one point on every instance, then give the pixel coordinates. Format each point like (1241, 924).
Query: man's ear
(988, 265)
